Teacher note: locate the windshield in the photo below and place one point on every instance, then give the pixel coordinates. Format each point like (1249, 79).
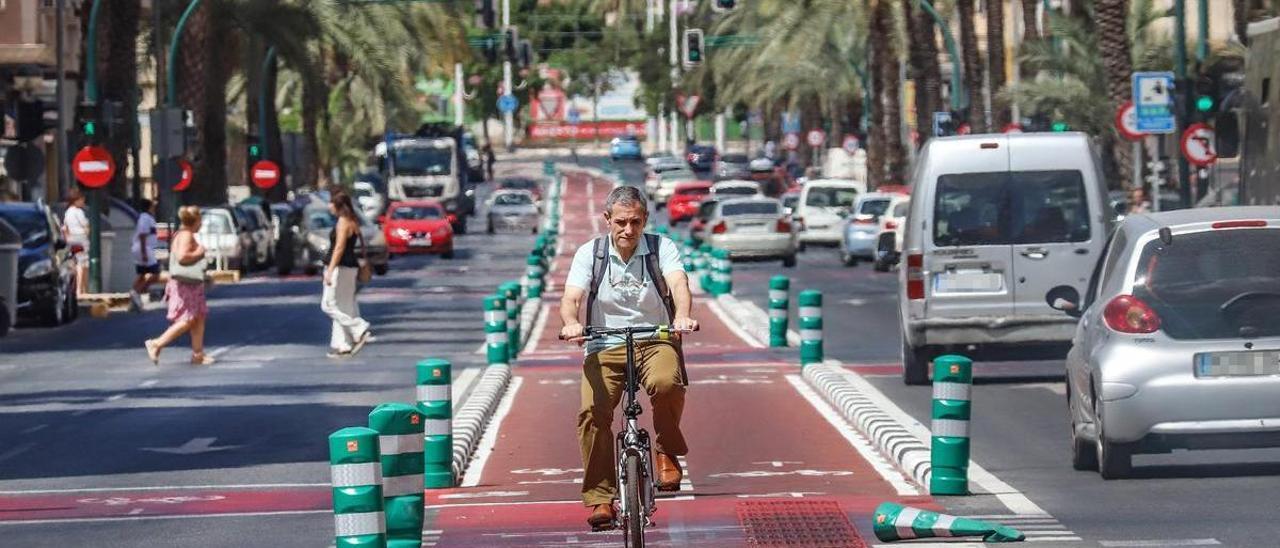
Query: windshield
(416, 213)
(734, 159)
(737, 190)
(1020, 207)
(513, 199)
(678, 174)
(422, 161)
(522, 184)
(830, 196)
(749, 208)
(790, 201)
(1218, 284)
(875, 208)
(213, 222)
(32, 226)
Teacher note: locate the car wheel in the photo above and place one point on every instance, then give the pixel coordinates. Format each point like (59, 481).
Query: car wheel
(448, 254)
(489, 229)
(1115, 460)
(1083, 455)
(73, 303)
(381, 269)
(462, 226)
(801, 247)
(789, 261)
(56, 311)
(915, 365)
(5, 321)
(847, 259)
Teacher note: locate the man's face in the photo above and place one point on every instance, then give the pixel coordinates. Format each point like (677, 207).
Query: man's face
(626, 224)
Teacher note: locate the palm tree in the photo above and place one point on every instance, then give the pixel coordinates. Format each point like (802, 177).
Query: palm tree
(117, 75)
(995, 62)
(972, 66)
(887, 92)
(205, 66)
(924, 65)
(1113, 40)
(1029, 31)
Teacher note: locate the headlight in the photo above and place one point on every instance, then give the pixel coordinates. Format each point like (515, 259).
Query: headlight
(39, 268)
(402, 233)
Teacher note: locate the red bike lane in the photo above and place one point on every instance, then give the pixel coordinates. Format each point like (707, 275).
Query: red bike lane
(764, 465)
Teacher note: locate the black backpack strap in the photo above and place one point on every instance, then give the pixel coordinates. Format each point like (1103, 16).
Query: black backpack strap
(654, 270)
(599, 261)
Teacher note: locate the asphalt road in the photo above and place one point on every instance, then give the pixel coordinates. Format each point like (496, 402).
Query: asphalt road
(104, 449)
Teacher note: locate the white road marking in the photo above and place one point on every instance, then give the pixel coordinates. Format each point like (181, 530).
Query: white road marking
(731, 379)
(483, 348)
(35, 429)
(512, 503)
(16, 451)
(490, 439)
(149, 383)
(792, 494)
(591, 206)
(164, 488)
(548, 471)
(562, 382)
(777, 463)
(135, 511)
(539, 325)
(771, 473)
(854, 302)
(115, 397)
(1013, 499)
(484, 495)
(732, 324)
(168, 516)
(890, 473)
(1166, 542)
(566, 481)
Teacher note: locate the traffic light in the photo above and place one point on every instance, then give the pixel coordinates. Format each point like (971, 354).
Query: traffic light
(254, 152)
(29, 120)
(89, 129)
(694, 47)
(1060, 126)
(484, 8)
(722, 6)
(526, 53)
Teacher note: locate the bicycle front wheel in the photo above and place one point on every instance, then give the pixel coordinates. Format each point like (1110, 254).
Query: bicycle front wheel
(635, 510)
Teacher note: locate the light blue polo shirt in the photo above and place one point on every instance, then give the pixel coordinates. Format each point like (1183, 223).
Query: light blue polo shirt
(627, 297)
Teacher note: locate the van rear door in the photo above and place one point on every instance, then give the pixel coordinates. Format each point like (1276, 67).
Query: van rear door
(969, 264)
(1050, 225)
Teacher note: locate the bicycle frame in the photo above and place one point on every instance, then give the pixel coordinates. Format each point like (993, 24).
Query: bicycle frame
(634, 440)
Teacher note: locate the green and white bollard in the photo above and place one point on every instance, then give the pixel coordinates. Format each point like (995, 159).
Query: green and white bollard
(726, 272)
(399, 428)
(497, 345)
(357, 488)
(511, 290)
(533, 277)
(810, 313)
(897, 522)
(779, 306)
(435, 402)
(949, 447)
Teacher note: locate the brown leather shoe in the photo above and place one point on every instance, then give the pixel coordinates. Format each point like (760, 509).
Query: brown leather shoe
(601, 517)
(669, 473)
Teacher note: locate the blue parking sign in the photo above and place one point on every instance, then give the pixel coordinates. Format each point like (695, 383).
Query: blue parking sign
(1153, 101)
(508, 103)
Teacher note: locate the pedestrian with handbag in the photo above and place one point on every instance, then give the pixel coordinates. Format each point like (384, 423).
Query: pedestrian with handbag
(350, 332)
(185, 290)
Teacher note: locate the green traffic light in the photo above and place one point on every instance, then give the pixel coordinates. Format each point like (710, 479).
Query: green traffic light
(1061, 126)
(1204, 103)
(253, 150)
(90, 128)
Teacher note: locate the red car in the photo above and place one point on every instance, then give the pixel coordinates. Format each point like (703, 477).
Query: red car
(684, 201)
(418, 227)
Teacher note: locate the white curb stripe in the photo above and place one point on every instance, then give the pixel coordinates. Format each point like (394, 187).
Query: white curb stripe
(810, 334)
(365, 523)
(400, 444)
(942, 527)
(951, 391)
(355, 475)
(495, 316)
(499, 337)
(777, 313)
(434, 392)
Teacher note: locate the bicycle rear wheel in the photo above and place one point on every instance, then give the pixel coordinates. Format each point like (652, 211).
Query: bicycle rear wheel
(634, 525)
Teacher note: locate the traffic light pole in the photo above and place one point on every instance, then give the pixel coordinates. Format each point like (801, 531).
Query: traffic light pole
(675, 75)
(95, 195)
(957, 76)
(264, 136)
(508, 118)
(1183, 91)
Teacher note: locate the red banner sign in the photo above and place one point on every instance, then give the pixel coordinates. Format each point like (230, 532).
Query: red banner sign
(586, 130)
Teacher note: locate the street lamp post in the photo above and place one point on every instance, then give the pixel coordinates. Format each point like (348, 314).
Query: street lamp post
(957, 76)
(1182, 89)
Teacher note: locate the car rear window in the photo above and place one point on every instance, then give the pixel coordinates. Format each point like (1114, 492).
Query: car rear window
(875, 208)
(1021, 207)
(213, 223)
(697, 191)
(1218, 284)
(512, 199)
(749, 208)
(415, 213)
(831, 197)
(742, 190)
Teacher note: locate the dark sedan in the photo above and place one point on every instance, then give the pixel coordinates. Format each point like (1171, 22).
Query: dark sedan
(46, 270)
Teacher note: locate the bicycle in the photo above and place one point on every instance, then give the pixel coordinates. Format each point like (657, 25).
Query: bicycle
(636, 481)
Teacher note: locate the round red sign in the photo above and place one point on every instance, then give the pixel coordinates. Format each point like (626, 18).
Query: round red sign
(184, 180)
(1127, 122)
(93, 166)
(265, 174)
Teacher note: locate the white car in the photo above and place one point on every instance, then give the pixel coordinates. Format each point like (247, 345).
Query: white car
(657, 165)
(371, 202)
(725, 190)
(824, 203)
(667, 183)
(862, 229)
(889, 238)
(221, 236)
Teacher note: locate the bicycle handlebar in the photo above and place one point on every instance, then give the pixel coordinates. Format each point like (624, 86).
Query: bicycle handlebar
(592, 332)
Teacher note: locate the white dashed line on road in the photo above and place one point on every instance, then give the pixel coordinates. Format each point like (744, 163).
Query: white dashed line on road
(149, 383)
(1160, 542)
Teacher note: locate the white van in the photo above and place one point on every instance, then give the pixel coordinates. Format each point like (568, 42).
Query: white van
(823, 205)
(996, 222)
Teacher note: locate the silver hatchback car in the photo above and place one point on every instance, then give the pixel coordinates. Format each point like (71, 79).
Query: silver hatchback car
(1178, 343)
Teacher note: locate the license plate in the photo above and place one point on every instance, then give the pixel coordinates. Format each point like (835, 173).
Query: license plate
(968, 282)
(1237, 364)
(755, 228)
(420, 242)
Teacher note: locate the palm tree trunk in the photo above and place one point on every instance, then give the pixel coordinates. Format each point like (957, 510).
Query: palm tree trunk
(313, 96)
(878, 132)
(995, 62)
(1114, 43)
(972, 66)
(895, 159)
(118, 80)
(1029, 31)
(924, 67)
(208, 57)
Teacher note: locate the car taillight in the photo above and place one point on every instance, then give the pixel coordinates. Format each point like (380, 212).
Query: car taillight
(1128, 314)
(890, 225)
(799, 221)
(783, 226)
(720, 228)
(915, 276)
(452, 218)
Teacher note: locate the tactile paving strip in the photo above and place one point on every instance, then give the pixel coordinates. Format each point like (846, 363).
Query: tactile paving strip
(809, 523)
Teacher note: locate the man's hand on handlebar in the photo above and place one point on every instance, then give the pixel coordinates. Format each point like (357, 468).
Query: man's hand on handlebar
(684, 324)
(573, 333)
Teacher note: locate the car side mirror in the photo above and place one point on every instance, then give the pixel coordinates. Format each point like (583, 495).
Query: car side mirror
(1064, 298)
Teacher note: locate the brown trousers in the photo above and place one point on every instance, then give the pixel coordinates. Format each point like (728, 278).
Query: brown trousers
(603, 378)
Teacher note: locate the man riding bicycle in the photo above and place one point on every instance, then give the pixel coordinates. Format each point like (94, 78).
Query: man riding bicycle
(628, 278)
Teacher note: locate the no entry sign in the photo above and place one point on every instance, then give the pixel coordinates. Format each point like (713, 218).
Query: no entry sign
(265, 174)
(816, 137)
(1127, 122)
(93, 166)
(185, 174)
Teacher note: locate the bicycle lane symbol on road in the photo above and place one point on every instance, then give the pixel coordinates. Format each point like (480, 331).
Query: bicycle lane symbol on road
(38, 505)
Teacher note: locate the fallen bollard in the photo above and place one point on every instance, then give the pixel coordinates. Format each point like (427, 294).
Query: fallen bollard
(356, 479)
(949, 447)
(810, 313)
(399, 428)
(435, 402)
(779, 307)
(897, 522)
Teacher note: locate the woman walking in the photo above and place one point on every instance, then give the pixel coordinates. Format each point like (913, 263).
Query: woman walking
(185, 290)
(350, 332)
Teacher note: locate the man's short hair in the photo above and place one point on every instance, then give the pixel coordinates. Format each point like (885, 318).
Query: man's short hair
(626, 196)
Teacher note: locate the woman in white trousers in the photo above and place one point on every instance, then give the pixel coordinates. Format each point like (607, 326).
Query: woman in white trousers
(350, 332)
